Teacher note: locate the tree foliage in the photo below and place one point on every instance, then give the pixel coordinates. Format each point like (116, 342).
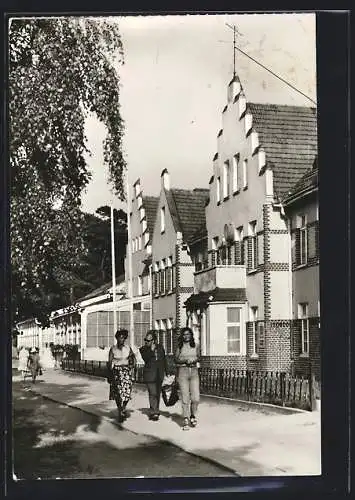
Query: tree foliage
(60, 70)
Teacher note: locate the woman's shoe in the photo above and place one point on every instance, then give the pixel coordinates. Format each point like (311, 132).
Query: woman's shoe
(193, 421)
(186, 426)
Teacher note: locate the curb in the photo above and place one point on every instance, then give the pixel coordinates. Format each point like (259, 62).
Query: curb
(116, 424)
(231, 401)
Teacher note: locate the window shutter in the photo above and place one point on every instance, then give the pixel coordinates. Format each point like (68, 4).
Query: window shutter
(297, 247)
(256, 251)
(249, 252)
(237, 252)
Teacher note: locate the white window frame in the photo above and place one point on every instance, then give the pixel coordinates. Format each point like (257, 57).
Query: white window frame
(226, 180)
(303, 316)
(235, 173)
(245, 173)
(162, 277)
(254, 330)
(234, 324)
(170, 273)
(162, 219)
(218, 189)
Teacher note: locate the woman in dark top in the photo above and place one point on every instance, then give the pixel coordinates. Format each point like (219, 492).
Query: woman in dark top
(153, 355)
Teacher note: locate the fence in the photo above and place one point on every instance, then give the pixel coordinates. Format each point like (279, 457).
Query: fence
(266, 387)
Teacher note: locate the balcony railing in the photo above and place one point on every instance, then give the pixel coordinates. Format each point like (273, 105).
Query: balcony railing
(221, 277)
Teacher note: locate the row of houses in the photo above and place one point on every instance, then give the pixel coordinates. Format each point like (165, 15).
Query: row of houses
(237, 261)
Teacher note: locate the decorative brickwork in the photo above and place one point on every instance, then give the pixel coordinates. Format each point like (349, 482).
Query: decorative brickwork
(267, 278)
(277, 266)
(303, 365)
(237, 362)
(186, 289)
(186, 264)
(278, 345)
(278, 231)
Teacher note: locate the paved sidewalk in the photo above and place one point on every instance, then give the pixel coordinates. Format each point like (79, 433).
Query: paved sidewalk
(250, 440)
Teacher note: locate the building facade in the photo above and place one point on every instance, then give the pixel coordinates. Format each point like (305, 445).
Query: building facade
(244, 283)
(179, 214)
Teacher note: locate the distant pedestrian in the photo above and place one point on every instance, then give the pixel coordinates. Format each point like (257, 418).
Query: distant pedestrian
(23, 361)
(155, 368)
(186, 358)
(33, 364)
(121, 363)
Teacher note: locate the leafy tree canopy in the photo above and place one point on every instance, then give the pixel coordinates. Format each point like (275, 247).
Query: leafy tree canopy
(60, 69)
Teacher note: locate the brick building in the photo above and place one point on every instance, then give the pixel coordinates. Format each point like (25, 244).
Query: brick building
(245, 285)
(179, 214)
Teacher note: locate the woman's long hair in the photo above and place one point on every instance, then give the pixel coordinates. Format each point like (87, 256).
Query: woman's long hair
(181, 337)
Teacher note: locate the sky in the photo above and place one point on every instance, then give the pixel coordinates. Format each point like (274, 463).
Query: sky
(173, 88)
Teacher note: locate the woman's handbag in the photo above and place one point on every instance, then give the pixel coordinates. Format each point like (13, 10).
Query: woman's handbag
(170, 393)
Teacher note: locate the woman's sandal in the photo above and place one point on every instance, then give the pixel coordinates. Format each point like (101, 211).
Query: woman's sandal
(193, 421)
(186, 426)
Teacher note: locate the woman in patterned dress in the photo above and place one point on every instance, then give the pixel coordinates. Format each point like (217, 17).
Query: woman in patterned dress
(121, 363)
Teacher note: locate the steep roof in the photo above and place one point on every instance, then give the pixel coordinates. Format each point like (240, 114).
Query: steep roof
(187, 209)
(150, 205)
(288, 135)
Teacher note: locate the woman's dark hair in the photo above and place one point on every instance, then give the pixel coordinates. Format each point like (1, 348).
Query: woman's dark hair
(181, 337)
(153, 333)
(122, 332)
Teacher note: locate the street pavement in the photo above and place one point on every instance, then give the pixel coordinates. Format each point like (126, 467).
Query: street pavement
(52, 440)
(250, 440)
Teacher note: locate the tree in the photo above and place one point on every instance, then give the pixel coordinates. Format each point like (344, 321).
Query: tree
(60, 70)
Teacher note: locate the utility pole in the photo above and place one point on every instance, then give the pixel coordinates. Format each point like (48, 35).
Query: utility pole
(113, 263)
(129, 263)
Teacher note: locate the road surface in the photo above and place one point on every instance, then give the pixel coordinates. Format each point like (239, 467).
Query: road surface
(52, 440)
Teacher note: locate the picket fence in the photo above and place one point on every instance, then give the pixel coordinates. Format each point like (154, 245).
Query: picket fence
(278, 388)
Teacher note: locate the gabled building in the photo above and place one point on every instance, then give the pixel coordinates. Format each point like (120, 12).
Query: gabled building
(179, 214)
(243, 288)
(301, 207)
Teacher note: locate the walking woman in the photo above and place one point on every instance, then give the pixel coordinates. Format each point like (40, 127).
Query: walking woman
(186, 358)
(121, 363)
(23, 361)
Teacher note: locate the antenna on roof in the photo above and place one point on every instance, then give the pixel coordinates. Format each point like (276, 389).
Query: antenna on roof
(257, 62)
(235, 31)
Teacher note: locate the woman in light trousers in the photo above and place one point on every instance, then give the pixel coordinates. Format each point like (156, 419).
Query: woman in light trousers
(186, 359)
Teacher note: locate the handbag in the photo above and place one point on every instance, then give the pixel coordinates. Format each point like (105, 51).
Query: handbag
(170, 393)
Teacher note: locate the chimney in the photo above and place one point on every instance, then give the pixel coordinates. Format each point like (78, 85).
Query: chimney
(165, 179)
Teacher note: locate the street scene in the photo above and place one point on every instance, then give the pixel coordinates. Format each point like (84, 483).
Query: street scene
(165, 246)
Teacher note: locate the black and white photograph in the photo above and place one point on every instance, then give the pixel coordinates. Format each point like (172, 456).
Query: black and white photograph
(164, 223)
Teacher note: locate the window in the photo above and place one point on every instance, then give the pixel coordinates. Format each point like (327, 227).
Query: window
(235, 173)
(169, 275)
(303, 316)
(140, 285)
(162, 277)
(239, 247)
(156, 279)
(140, 243)
(245, 174)
(252, 247)
(218, 190)
(303, 240)
(233, 330)
(226, 179)
(162, 219)
(254, 330)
